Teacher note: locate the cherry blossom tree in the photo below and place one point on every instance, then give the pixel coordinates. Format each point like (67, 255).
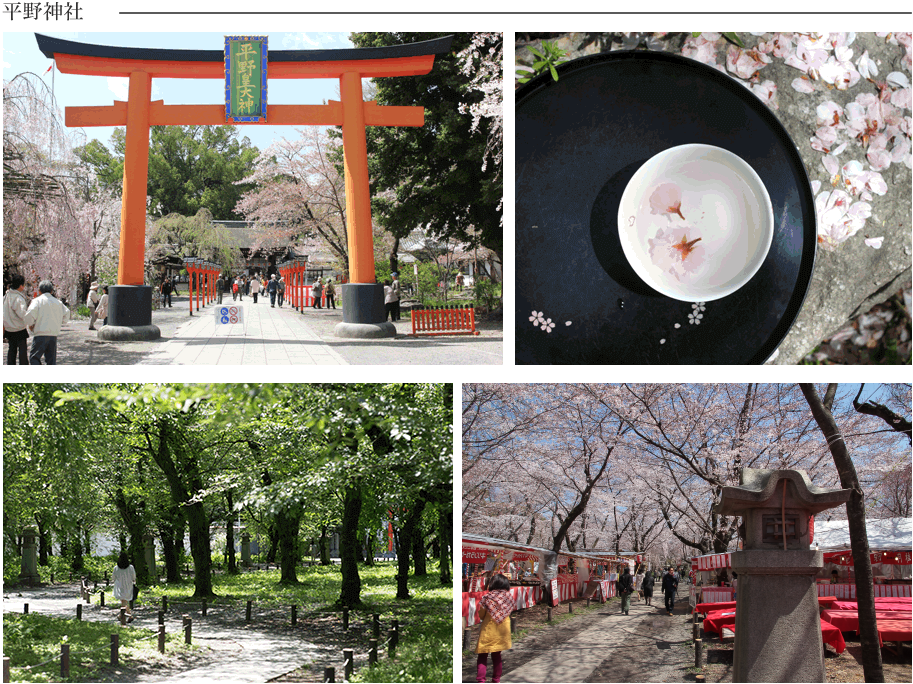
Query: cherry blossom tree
(482, 61)
(43, 234)
(300, 196)
(822, 410)
(641, 466)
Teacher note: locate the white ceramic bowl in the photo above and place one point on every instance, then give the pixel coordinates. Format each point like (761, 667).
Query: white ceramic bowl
(695, 222)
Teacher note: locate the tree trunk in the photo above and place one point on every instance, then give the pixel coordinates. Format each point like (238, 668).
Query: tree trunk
(350, 594)
(445, 525)
(230, 534)
(169, 552)
(77, 563)
(135, 529)
(855, 513)
(394, 257)
(404, 546)
(418, 550)
(360, 546)
(324, 546)
(370, 547)
(44, 542)
(287, 522)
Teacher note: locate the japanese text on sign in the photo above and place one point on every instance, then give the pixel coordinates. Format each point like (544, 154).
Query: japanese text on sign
(245, 78)
(67, 11)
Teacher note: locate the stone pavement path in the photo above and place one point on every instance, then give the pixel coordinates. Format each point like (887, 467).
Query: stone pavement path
(238, 652)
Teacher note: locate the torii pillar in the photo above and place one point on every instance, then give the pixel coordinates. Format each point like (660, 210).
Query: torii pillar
(130, 301)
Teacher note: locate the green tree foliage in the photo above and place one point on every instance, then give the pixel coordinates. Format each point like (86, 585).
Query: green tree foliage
(433, 175)
(190, 168)
(288, 459)
(178, 236)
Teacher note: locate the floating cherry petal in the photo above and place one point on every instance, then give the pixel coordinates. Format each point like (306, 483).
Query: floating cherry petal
(674, 253)
(667, 199)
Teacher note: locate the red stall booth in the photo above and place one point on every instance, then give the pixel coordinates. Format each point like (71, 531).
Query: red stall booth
(530, 571)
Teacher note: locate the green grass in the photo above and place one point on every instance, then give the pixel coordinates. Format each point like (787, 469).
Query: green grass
(32, 639)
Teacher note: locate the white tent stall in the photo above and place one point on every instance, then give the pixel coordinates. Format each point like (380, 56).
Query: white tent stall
(890, 546)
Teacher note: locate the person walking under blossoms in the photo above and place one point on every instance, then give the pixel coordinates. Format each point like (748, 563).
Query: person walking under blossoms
(15, 306)
(45, 317)
(494, 609)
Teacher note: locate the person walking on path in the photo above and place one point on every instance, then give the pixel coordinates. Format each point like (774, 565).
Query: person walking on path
(459, 281)
(495, 609)
(280, 290)
(388, 301)
(255, 288)
(273, 288)
(44, 317)
(92, 302)
(317, 292)
(167, 289)
(235, 289)
(246, 282)
(124, 577)
(220, 286)
(639, 583)
(396, 291)
(670, 584)
(103, 306)
(174, 286)
(625, 588)
(647, 587)
(331, 294)
(15, 306)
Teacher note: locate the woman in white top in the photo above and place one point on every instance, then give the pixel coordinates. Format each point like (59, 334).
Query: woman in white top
(124, 576)
(638, 584)
(255, 288)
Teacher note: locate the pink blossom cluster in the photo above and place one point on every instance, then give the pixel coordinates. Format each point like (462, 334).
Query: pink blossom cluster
(539, 320)
(872, 121)
(877, 122)
(839, 218)
(676, 249)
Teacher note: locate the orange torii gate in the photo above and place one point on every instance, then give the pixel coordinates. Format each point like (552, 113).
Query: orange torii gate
(130, 311)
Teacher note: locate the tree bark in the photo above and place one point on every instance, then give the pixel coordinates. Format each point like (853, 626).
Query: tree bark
(445, 525)
(404, 547)
(324, 545)
(871, 408)
(418, 550)
(136, 549)
(230, 534)
(288, 522)
(350, 590)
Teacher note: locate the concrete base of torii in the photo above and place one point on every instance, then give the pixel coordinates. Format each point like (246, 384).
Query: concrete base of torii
(363, 313)
(129, 315)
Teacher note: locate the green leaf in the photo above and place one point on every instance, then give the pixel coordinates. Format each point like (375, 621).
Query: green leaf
(537, 53)
(554, 73)
(733, 38)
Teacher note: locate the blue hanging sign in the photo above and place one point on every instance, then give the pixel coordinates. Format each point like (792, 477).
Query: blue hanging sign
(245, 79)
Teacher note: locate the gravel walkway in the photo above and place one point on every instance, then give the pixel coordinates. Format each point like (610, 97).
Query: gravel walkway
(232, 650)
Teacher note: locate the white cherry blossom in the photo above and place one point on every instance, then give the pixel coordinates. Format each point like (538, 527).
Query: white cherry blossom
(874, 242)
(745, 63)
(838, 217)
(666, 199)
(677, 251)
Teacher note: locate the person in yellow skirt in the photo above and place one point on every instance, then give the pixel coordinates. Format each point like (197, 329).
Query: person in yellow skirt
(495, 609)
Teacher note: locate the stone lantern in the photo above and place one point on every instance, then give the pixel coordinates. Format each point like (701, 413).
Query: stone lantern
(778, 633)
(29, 568)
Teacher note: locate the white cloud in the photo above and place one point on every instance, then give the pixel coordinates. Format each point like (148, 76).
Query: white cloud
(121, 88)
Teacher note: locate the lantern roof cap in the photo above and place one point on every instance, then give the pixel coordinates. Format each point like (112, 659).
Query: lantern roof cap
(758, 485)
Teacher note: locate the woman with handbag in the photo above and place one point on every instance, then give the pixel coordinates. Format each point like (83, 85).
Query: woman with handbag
(125, 588)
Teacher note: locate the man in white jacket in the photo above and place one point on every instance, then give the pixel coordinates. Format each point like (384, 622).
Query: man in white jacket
(45, 316)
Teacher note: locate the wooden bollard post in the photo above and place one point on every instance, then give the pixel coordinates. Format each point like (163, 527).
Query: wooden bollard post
(204, 606)
(513, 624)
(588, 603)
(247, 612)
(101, 599)
(695, 631)
(79, 611)
(348, 655)
(25, 609)
(64, 661)
(115, 648)
(188, 628)
(165, 604)
(106, 578)
(698, 654)
(372, 652)
(123, 617)
(294, 615)
(395, 625)
(161, 638)
(570, 606)
(161, 617)
(376, 625)
(391, 643)
(52, 578)
(548, 617)
(329, 674)
(345, 620)
(465, 638)
(6, 670)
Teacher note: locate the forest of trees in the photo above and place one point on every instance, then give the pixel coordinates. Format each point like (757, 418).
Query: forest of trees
(293, 462)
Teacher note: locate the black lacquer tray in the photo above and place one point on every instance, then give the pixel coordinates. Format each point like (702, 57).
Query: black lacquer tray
(579, 141)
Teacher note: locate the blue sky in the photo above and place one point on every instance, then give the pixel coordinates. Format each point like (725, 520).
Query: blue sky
(21, 54)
